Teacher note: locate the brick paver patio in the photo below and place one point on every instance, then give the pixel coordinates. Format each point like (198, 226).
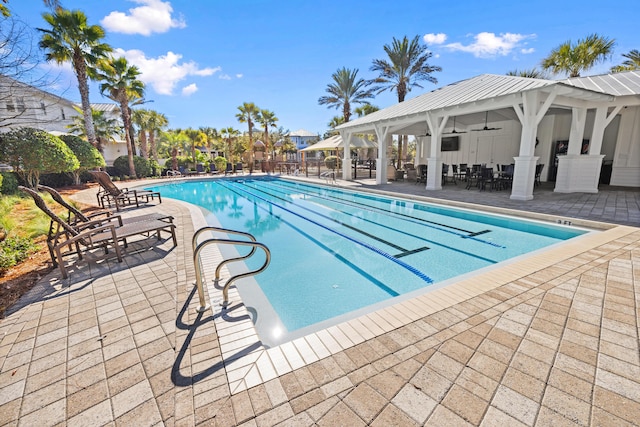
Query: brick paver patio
(122, 343)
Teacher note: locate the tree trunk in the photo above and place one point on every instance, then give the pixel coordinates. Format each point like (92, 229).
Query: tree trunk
(143, 143)
(126, 119)
(152, 145)
(83, 87)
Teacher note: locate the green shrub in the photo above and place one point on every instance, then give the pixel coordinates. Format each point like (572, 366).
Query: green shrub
(9, 183)
(121, 166)
(221, 163)
(14, 250)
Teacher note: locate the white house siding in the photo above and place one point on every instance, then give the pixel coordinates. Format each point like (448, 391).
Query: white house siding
(626, 161)
(22, 105)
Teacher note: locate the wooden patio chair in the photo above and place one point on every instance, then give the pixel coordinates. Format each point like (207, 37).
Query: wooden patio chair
(93, 234)
(111, 194)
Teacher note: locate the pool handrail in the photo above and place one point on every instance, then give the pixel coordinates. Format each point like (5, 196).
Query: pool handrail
(197, 248)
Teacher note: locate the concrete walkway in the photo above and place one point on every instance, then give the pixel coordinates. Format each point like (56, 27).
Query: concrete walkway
(542, 342)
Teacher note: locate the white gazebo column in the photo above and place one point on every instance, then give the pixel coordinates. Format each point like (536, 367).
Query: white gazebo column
(525, 164)
(434, 162)
(346, 160)
(581, 172)
(383, 135)
(569, 166)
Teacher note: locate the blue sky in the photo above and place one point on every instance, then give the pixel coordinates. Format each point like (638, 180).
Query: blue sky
(201, 59)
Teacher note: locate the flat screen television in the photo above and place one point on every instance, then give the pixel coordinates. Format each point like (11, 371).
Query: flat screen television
(450, 143)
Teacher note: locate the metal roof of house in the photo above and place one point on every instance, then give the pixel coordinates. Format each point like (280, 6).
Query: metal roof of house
(302, 133)
(466, 92)
(617, 84)
(104, 107)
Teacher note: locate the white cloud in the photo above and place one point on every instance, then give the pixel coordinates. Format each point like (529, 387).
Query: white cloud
(224, 77)
(488, 45)
(154, 16)
(239, 76)
(190, 89)
(527, 51)
(164, 72)
(434, 38)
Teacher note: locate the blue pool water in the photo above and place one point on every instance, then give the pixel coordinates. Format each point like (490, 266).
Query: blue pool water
(335, 251)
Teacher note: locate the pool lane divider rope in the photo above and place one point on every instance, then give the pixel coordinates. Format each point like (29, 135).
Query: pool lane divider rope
(391, 258)
(281, 190)
(420, 221)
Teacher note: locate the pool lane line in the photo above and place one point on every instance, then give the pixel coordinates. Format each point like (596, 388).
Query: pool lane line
(406, 218)
(433, 242)
(390, 291)
(416, 220)
(379, 199)
(406, 266)
(344, 224)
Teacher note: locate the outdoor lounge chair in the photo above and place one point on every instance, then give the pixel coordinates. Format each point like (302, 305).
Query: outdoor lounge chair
(111, 194)
(77, 216)
(93, 234)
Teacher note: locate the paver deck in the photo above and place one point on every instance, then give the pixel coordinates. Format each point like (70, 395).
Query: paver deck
(553, 339)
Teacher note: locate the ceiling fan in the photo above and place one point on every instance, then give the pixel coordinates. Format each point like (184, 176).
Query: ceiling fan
(454, 131)
(486, 117)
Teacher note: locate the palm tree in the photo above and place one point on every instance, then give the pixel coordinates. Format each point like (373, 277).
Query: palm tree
(196, 137)
(575, 58)
(248, 114)
(213, 139)
(229, 135)
(366, 109)
(140, 118)
(532, 73)
(345, 90)
(406, 66)
(632, 62)
(267, 119)
(120, 83)
(105, 128)
(71, 39)
(157, 122)
(170, 143)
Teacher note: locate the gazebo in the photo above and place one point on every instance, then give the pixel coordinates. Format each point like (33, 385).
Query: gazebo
(524, 113)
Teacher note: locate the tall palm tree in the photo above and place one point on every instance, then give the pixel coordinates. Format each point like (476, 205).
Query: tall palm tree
(157, 122)
(120, 83)
(345, 90)
(632, 62)
(267, 119)
(248, 114)
(229, 135)
(406, 66)
(105, 128)
(573, 59)
(140, 119)
(72, 39)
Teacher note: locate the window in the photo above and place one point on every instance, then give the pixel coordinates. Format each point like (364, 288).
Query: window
(10, 106)
(21, 105)
(62, 113)
(43, 108)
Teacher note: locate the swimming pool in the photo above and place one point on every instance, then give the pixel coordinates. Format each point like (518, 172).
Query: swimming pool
(336, 251)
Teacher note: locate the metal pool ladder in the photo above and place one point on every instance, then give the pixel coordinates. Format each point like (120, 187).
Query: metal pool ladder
(197, 248)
